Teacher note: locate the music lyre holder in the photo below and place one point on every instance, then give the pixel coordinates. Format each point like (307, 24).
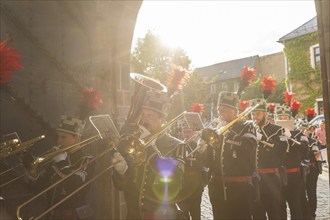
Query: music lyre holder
(104, 126)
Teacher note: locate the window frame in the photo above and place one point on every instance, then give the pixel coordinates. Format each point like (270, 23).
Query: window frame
(312, 55)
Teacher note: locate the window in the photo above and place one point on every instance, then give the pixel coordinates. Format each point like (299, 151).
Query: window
(315, 55)
(236, 86)
(224, 86)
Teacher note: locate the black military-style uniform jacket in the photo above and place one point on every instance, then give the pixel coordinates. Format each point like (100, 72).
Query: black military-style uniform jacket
(271, 147)
(232, 167)
(194, 168)
(76, 206)
(144, 185)
(297, 152)
(270, 157)
(313, 149)
(239, 152)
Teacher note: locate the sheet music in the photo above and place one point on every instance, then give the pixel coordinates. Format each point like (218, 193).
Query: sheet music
(194, 121)
(104, 126)
(287, 124)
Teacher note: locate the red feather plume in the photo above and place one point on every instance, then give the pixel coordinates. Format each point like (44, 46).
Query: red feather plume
(244, 105)
(295, 105)
(268, 86)
(271, 107)
(288, 96)
(311, 111)
(310, 114)
(197, 107)
(247, 75)
(9, 61)
(177, 79)
(90, 99)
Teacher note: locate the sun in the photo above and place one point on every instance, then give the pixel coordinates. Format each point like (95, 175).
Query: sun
(170, 41)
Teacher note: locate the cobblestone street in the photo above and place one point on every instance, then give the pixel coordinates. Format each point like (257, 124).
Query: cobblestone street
(323, 200)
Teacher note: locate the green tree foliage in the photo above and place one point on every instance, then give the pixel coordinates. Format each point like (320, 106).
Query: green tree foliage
(153, 58)
(196, 90)
(254, 91)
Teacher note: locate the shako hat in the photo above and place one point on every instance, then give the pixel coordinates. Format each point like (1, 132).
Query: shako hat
(282, 110)
(302, 124)
(229, 99)
(262, 104)
(71, 125)
(157, 101)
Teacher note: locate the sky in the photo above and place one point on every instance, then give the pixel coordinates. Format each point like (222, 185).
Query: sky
(216, 31)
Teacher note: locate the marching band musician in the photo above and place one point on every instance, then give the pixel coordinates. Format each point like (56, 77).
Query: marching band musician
(69, 133)
(315, 164)
(233, 165)
(272, 146)
(195, 176)
(152, 189)
(296, 153)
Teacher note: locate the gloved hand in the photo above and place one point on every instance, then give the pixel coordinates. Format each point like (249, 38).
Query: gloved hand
(60, 157)
(144, 132)
(287, 133)
(303, 138)
(202, 146)
(120, 164)
(259, 136)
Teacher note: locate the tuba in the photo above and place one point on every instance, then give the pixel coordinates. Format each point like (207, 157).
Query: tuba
(142, 85)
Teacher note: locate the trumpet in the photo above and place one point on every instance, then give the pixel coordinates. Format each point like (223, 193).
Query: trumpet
(15, 147)
(212, 137)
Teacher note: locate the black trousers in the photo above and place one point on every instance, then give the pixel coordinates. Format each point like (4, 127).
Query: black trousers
(238, 204)
(191, 206)
(270, 197)
(311, 185)
(292, 194)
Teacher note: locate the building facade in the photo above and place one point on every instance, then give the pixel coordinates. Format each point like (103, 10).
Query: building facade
(302, 55)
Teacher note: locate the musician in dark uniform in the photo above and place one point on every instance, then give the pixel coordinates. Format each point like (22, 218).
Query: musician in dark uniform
(233, 164)
(151, 188)
(315, 168)
(195, 175)
(272, 145)
(297, 152)
(69, 133)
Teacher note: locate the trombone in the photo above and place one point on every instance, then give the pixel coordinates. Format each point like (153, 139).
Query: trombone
(135, 153)
(9, 143)
(18, 210)
(134, 149)
(35, 164)
(15, 147)
(212, 137)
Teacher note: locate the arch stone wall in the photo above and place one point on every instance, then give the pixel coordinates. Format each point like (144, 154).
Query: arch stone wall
(66, 46)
